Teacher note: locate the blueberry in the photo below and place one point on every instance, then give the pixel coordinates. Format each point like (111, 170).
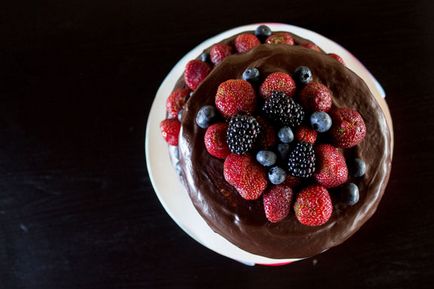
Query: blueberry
(302, 75)
(180, 115)
(350, 194)
(276, 175)
(251, 74)
(357, 168)
(285, 134)
(205, 116)
(283, 150)
(262, 32)
(266, 158)
(204, 57)
(320, 121)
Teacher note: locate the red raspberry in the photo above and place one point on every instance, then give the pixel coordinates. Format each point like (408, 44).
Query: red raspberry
(219, 51)
(234, 96)
(337, 57)
(215, 140)
(246, 175)
(268, 137)
(348, 127)
(313, 206)
(312, 46)
(245, 42)
(176, 100)
(195, 72)
(170, 130)
(277, 81)
(316, 96)
(306, 134)
(277, 203)
(280, 38)
(331, 169)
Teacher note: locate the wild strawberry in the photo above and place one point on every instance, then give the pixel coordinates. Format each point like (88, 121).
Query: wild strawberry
(170, 130)
(312, 46)
(195, 72)
(245, 175)
(246, 42)
(306, 134)
(234, 96)
(215, 140)
(280, 38)
(316, 96)
(348, 127)
(277, 203)
(331, 169)
(337, 57)
(219, 51)
(176, 101)
(277, 81)
(313, 206)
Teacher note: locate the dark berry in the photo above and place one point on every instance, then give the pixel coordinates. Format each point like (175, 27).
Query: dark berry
(266, 158)
(205, 116)
(283, 151)
(262, 32)
(284, 110)
(285, 134)
(301, 161)
(350, 194)
(276, 175)
(251, 74)
(302, 75)
(204, 56)
(242, 133)
(320, 121)
(357, 167)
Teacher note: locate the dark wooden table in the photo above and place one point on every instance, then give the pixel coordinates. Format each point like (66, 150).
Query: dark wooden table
(77, 209)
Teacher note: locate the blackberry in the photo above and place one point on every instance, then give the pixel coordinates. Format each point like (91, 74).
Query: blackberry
(301, 161)
(284, 110)
(243, 131)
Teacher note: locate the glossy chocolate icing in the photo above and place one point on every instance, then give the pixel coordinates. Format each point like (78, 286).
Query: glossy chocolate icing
(243, 222)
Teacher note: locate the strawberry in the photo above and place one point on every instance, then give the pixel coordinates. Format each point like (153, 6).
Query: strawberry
(245, 42)
(215, 140)
(195, 72)
(234, 96)
(176, 101)
(219, 51)
(277, 81)
(331, 169)
(337, 57)
(313, 206)
(280, 38)
(312, 46)
(246, 175)
(348, 127)
(277, 203)
(268, 136)
(170, 130)
(316, 96)
(306, 134)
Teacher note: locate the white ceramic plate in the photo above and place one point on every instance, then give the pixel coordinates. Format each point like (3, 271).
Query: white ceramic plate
(169, 189)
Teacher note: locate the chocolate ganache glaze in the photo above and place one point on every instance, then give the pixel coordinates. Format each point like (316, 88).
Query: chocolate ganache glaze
(243, 222)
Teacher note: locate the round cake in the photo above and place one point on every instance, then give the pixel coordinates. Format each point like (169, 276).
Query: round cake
(283, 150)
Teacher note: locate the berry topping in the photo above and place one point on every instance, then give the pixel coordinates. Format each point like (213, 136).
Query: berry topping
(301, 162)
(302, 75)
(219, 51)
(305, 134)
(283, 110)
(349, 194)
(316, 96)
(243, 131)
(280, 38)
(312, 46)
(268, 137)
(276, 175)
(215, 140)
(337, 57)
(277, 81)
(245, 42)
(283, 151)
(205, 116)
(348, 128)
(320, 121)
(262, 32)
(234, 96)
(331, 169)
(170, 130)
(313, 206)
(251, 74)
(246, 175)
(204, 57)
(176, 101)
(357, 167)
(195, 72)
(285, 134)
(277, 203)
(266, 158)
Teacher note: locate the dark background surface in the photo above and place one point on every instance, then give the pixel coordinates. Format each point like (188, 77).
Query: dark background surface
(77, 209)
